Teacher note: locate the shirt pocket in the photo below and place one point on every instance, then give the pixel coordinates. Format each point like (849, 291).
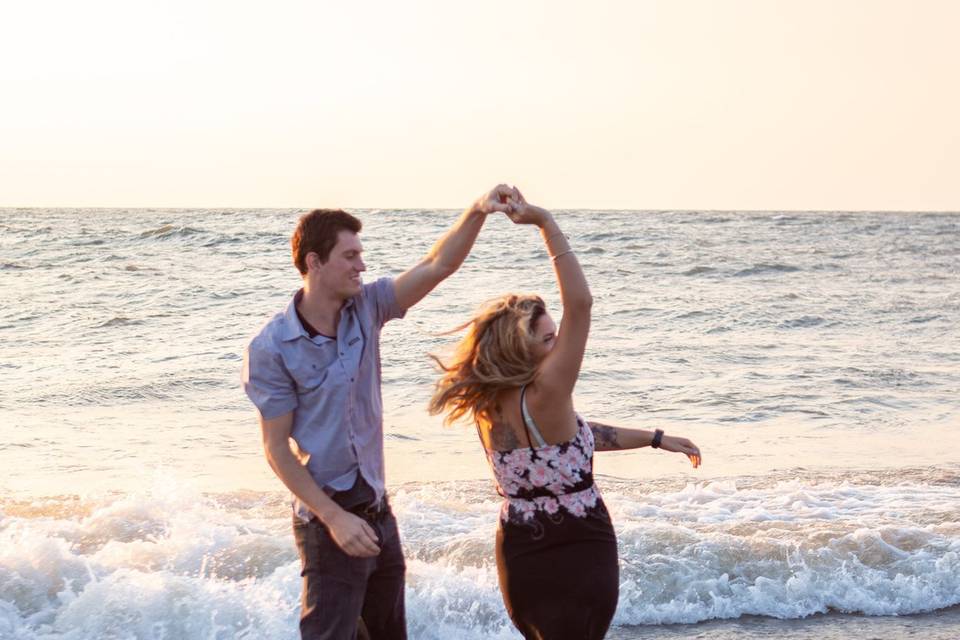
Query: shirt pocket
(314, 368)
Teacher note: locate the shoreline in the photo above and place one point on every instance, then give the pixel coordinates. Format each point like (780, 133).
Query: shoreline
(940, 624)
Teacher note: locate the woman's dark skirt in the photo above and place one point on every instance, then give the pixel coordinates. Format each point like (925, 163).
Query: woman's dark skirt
(559, 574)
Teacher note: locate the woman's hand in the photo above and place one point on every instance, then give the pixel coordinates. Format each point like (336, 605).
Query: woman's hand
(684, 446)
(525, 213)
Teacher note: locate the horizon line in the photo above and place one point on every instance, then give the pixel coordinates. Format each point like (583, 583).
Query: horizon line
(454, 209)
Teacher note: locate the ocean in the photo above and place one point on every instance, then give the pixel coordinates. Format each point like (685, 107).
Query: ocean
(814, 358)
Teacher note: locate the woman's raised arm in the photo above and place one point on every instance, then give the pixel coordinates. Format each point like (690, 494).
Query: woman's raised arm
(561, 367)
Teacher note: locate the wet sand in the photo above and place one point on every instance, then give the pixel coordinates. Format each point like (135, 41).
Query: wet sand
(937, 625)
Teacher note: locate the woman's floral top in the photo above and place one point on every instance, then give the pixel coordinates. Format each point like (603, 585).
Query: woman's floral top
(551, 479)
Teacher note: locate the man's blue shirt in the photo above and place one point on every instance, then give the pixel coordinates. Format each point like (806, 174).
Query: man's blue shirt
(332, 386)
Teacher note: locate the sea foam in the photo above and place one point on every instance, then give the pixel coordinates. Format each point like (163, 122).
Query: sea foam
(172, 562)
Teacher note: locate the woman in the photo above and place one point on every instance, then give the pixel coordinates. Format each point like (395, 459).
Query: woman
(514, 374)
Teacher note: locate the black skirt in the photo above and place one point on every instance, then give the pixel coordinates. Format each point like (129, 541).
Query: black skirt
(559, 574)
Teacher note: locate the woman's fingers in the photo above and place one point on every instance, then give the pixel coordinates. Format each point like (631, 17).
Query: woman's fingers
(693, 452)
(497, 199)
(505, 199)
(687, 448)
(501, 193)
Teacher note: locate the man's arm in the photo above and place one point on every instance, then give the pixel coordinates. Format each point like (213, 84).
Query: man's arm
(609, 438)
(350, 532)
(450, 250)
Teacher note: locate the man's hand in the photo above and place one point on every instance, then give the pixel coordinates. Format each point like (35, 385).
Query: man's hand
(350, 533)
(451, 249)
(497, 199)
(684, 446)
(353, 535)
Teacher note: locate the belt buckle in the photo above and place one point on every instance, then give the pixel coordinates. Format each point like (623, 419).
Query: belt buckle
(375, 510)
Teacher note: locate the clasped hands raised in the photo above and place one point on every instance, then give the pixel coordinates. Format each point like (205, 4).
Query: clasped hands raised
(510, 201)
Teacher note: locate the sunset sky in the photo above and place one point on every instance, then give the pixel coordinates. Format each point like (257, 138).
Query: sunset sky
(656, 104)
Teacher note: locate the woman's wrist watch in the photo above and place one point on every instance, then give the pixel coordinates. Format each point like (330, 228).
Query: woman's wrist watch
(657, 437)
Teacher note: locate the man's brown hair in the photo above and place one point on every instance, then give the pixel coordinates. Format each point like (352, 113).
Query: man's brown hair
(317, 232)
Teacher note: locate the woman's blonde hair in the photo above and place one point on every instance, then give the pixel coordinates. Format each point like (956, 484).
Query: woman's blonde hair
(496, 354)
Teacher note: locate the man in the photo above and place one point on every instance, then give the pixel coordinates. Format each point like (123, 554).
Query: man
(313, 373)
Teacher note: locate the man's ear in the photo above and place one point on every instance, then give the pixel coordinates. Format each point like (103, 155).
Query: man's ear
(313, 260)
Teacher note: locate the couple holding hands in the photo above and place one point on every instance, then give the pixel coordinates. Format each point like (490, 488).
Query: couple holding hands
(313, 372)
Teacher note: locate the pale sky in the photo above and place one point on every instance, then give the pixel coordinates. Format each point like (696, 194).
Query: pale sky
(645, 104)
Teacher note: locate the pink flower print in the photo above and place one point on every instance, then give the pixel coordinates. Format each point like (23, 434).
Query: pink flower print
(508, 484)
(548, 454)
(505, 511)
(557, 485)
(585, 442)
(570, 502)
(523, 508)
(575, 477)
(578, 503)
(590, 497)
(513, 458)
(515, 463)
(541, 474)
(548, 504)
(569, 461)
(586, 434)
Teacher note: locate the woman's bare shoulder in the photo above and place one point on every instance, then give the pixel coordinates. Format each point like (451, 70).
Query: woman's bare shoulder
(553, 415)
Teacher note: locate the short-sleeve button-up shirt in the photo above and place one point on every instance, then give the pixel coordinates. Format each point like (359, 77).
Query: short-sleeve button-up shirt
(332, 386)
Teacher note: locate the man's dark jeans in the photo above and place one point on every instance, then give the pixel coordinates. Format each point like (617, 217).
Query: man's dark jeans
(339, 589)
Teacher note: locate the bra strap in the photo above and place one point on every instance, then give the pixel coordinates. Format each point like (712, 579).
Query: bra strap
(528, 420)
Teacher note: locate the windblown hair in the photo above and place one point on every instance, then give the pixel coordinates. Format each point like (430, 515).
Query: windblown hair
(496, 354)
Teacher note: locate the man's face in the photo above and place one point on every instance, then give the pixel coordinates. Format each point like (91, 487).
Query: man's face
(340, 274)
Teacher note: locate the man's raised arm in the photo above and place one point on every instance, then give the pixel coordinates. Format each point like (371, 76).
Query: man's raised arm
(449, 252)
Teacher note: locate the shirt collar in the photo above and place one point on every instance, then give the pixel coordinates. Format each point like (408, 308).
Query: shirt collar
(292, 327)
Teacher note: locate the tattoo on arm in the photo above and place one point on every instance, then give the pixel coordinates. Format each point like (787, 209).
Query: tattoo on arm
(604, 435)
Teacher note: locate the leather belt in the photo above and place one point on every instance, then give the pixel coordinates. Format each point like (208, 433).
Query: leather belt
(371, 511)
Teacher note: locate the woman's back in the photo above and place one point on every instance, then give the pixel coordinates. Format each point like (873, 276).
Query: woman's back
(506, 429)
(556, 548)
(537, 476)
